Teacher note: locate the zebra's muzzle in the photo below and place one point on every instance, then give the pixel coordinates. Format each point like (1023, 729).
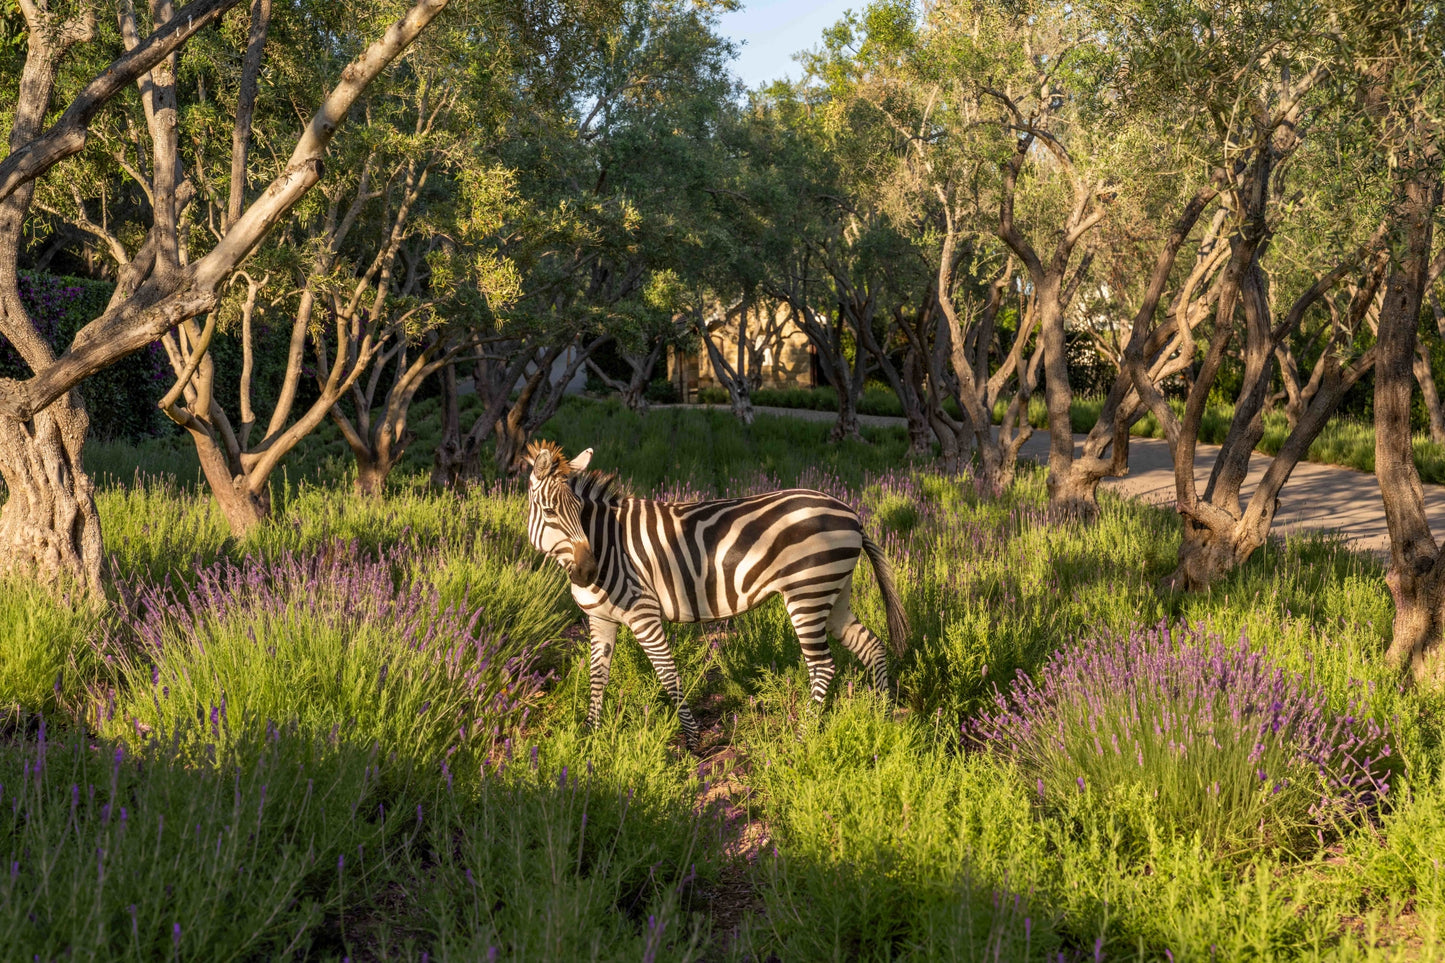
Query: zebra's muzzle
(583, 570)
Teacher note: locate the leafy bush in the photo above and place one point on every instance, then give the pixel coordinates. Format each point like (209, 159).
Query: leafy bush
(877, 399)
(121, 400)
(661, 391)
(1230, 746)
(814, 399)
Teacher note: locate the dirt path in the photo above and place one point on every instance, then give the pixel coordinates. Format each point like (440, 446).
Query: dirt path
(1317, 498)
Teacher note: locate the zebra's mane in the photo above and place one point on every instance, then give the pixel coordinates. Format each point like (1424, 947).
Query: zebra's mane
(597, 487)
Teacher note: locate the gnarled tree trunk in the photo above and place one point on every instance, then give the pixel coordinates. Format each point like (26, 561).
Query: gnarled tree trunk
(379, 442)
(1424, 374)
(1105, 451)
(447, 458)
(1416, 577)
(1220, 533)
(1053, 287)
(913, 392)
(48, 525)
(633, 391)
(1431, 394)
(731, 378)
(965, 350)
(827, 341)
(244, 506)
(906, 383)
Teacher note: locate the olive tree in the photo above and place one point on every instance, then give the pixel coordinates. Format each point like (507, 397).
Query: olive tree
(989, 110)
(1402, 87)
(49, 525)
(610, 169)
(1277, 153)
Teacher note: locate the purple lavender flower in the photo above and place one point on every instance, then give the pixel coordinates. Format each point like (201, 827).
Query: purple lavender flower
(342, 586)
(1226, 741)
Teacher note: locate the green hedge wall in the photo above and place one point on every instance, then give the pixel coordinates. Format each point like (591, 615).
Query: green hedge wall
(121, 400)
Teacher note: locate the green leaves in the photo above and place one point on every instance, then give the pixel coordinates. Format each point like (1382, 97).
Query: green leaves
(12, 25)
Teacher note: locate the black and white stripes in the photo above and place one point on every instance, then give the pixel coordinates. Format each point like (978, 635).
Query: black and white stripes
(638, 563)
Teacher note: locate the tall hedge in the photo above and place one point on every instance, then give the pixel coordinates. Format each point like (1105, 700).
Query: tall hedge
(121, 399)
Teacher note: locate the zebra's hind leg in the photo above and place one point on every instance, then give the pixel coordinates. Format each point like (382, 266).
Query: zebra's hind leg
(857, 638)
(653, 640)
(809, 617)
(599, 664)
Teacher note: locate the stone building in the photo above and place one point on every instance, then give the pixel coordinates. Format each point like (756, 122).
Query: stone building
(777, 347)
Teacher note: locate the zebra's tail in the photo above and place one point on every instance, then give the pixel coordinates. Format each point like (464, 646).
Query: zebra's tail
(892, 604)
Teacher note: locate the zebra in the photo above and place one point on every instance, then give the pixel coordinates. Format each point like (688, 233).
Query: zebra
(638, 562)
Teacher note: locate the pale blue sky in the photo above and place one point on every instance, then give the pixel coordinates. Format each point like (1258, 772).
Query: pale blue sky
(769, 32)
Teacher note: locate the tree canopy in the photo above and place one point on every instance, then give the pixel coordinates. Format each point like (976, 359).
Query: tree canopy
(315, 208)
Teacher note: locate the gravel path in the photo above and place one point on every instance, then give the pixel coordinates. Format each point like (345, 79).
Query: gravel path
(1316, 498)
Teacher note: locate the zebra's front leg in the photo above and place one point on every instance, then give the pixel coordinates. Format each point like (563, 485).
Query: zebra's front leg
(653, 639)
(599, 664)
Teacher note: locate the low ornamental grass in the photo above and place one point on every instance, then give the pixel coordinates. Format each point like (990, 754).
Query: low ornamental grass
(336, 640)
(1230, 747)
(884, 844)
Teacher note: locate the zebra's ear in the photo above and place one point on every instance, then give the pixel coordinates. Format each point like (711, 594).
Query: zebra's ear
(581, 462)
(536, 453)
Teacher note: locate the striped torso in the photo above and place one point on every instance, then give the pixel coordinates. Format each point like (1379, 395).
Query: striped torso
(695, 561)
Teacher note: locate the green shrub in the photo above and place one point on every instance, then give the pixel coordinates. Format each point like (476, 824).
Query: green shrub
(1405, 860)
(661, 391)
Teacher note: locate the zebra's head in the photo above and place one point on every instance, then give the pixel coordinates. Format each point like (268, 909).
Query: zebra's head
(554, 512)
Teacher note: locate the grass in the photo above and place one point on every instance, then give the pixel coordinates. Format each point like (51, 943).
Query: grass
(223, 773)
(877, 399)
(114, 852)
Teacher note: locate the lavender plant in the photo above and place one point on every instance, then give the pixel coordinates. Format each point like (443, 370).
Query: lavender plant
(45, 651)
(553, 858)
(340, 641)
(1228, 745)
(113, 854)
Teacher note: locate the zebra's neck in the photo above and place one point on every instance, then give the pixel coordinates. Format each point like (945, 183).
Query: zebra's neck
(603, 520)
